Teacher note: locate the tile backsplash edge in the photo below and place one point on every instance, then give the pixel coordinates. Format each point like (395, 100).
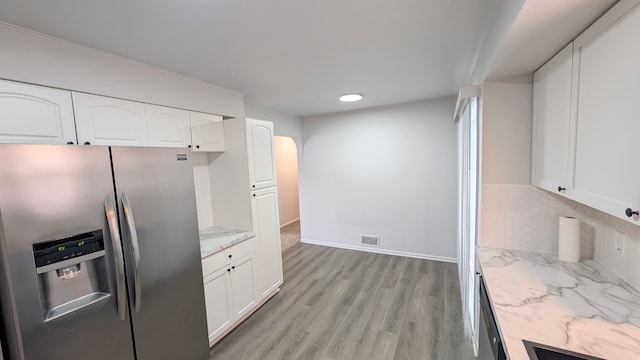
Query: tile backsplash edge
(524, 217)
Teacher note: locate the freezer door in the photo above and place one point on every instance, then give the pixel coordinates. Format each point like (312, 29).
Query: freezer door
(67, 309)
(162, 250)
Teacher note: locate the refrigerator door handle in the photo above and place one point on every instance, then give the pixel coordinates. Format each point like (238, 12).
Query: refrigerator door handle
(128, 215)
(110, 211)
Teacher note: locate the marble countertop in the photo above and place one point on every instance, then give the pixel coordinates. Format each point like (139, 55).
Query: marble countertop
(215, 239)
(581, 307)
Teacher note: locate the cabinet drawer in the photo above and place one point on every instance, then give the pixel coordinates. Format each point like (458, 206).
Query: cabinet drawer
(220, 259)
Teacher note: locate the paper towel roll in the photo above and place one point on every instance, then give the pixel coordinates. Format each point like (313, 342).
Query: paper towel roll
(569, 239)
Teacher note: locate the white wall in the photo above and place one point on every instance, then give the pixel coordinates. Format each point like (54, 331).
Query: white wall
(506, 132)
(202, 183)
(40, 59)
(229, 177)
(286, 155)
(388, 171)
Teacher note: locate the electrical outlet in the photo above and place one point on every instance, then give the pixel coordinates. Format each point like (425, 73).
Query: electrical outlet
(620, 240)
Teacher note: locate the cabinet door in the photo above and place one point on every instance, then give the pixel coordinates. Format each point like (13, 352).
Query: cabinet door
(552, 122)
(207, 132)
(607, 93)
(167, 127)
(266, 225)
(262, 167)
(243, 285)
(108, 121)
(218, 299)
(35, 115)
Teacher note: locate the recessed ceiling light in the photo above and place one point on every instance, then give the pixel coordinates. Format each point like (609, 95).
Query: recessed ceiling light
(350, 97)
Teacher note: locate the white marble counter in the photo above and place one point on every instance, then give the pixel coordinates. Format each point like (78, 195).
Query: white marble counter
(215, 239)
(580, 307)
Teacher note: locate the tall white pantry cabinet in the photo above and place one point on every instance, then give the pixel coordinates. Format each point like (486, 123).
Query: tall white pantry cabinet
(264, 205)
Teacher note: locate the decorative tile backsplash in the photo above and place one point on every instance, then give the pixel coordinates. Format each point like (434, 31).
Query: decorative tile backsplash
(523, 217)
(203, 189)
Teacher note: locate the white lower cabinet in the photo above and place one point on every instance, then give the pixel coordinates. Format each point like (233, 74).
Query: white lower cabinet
(31, 114)
(229, 287)
(217, 294)
(266, 225)
(243, 285)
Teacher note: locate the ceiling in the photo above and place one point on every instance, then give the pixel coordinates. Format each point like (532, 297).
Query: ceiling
(298, 56)
(289, 55)
(541, 29)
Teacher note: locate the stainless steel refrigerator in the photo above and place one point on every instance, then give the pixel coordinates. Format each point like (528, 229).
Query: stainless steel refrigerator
(99, 254)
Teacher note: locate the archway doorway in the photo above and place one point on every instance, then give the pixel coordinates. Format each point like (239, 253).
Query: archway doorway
(286, 155)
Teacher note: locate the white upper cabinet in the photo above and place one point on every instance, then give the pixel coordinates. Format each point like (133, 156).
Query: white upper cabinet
(262, 167)
(607, 89)
(552, 123)
(207, 132)
(103, 120)
(167, 127)
(32, 114)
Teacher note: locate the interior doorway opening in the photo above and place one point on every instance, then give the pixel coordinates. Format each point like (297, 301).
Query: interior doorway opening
(286, 156)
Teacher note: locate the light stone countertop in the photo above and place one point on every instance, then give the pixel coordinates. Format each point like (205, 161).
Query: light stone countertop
(581, 307)
(215, 239)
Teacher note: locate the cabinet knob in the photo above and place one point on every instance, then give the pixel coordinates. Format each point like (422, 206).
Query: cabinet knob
(253, 186)
(629, 212)
(561, 189)
(70, 143)
(230, 256)
(254, 195)
(197, 146)
(233, 267)
(87, 143)
(189, 146)
(228, 270)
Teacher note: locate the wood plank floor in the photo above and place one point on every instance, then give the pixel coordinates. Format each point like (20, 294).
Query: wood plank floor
(340, 304)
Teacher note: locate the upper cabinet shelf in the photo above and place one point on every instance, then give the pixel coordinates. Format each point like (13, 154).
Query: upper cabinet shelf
(35, 114)
(207, 132)
(102, 120)
(31, 114)
(585, 128)
(552, 123)
(260, 151)
(606, 113)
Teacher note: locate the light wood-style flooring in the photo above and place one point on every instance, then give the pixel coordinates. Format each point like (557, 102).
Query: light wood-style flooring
(340, 304)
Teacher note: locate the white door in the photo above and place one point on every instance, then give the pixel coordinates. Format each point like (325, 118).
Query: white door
(608, 128)
(207, 132)
(266, 225)
(107, 121)
(552, 122)
(35, 115)
(167, 127)
(262, 168)
(243, 285)
(219, 303)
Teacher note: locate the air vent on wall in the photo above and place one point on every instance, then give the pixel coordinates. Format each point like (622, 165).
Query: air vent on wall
(370, 240)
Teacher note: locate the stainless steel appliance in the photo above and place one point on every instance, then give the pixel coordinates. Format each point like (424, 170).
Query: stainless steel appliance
(489, 342)
(99, 254)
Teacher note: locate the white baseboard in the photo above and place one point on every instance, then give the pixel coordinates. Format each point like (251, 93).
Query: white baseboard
(290, 222)
(381, 251)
